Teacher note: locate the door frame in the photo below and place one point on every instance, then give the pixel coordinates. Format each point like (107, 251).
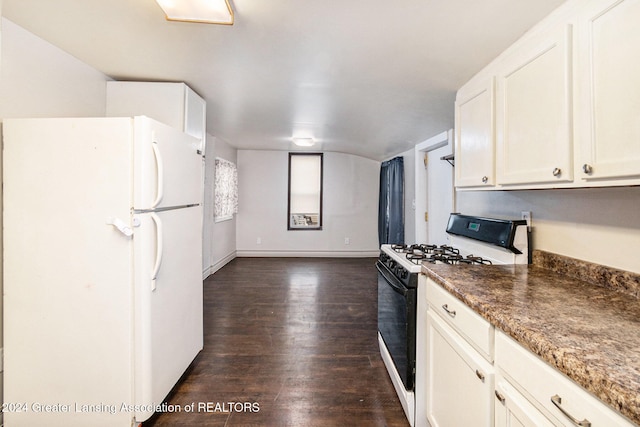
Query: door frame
(433, 143)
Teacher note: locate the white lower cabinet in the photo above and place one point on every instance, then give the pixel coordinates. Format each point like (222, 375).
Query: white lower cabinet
(512, 409)
(460, 381)
(535, 393)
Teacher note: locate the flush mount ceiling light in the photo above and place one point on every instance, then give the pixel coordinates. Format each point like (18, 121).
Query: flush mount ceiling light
(205, 11)
(304, 142)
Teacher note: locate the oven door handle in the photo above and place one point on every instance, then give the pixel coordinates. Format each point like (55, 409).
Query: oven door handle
(395, 284)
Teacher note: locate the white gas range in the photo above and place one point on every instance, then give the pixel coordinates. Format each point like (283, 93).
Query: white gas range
(473, 240)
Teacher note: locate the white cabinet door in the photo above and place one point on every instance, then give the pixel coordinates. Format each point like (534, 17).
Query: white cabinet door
(475, 141)
(195, 115)
(459, 380)
(174, 104)
(533, 104)
(609, 104)
(512, 409)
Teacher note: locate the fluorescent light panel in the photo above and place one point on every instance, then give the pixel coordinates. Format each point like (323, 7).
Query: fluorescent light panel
(304, 142)
(206, 11)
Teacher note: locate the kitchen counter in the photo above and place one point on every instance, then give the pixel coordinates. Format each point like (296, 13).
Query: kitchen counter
(581, 318)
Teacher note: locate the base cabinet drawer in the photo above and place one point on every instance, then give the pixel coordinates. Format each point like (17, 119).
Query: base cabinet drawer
(557, 397)
(475, 330)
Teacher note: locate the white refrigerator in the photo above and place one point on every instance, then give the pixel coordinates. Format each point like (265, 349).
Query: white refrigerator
(102, 268)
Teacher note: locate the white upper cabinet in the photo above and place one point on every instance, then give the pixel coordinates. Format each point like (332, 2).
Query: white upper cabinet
(475, 140)
(174, 104)
(609, 101)
(567, 110)
(533, 111)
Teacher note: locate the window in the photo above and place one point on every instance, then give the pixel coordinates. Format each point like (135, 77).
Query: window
(225, 190)
(305, 191)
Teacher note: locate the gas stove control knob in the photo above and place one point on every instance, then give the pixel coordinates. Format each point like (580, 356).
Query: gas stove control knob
(403, 273)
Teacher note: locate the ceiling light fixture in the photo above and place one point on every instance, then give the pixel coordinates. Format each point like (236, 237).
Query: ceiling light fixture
(205, 11)
(304, 142)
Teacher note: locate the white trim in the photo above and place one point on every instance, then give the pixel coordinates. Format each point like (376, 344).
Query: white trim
(218, 265)
(309, 254)
(223, 218)
(420, 182)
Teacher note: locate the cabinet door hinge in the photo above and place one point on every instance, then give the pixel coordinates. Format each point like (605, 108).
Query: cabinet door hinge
(426, 216)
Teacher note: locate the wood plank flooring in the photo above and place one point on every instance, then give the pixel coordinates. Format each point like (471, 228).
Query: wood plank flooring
(289, 342)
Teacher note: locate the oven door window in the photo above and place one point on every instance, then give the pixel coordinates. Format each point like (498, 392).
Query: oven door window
(396, 323)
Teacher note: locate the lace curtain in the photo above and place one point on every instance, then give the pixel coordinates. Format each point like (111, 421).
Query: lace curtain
(226, 190)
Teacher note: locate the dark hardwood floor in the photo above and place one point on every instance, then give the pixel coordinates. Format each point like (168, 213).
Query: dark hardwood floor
(288, 342)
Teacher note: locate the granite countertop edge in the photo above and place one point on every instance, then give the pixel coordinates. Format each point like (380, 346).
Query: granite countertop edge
(622, 397)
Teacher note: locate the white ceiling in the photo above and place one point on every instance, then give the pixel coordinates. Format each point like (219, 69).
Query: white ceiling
(367, 77)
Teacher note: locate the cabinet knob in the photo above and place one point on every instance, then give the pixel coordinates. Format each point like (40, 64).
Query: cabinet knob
(587, 168)
(557, 172)
(485, 179)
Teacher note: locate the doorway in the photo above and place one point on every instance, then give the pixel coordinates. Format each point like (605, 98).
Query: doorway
(434, 189)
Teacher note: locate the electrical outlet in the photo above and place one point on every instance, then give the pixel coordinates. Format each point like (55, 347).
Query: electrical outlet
(259, 241)
(526, 215)
(347, 241)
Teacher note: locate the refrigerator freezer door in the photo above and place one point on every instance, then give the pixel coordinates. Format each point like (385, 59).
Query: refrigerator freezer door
(68, 305)
(168, 332)
(167, 166)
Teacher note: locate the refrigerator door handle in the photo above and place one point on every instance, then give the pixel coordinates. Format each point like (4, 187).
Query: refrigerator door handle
(159, 250)
(122, 226)
(160, 176)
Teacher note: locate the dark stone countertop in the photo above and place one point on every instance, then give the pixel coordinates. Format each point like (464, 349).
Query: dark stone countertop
(586, 329)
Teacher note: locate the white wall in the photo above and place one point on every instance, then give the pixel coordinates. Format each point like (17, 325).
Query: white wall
(600, 225)
(350, 207)
(221, 247)
(39, 80)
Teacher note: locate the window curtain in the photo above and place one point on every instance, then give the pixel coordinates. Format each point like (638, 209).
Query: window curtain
(391, 202)
(225, 190)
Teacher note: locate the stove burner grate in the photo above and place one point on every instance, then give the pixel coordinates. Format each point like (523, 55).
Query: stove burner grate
(433, 253)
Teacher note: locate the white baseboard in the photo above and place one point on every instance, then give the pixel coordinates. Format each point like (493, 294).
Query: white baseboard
(218, 265)
(286, 254)
(308, 254)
